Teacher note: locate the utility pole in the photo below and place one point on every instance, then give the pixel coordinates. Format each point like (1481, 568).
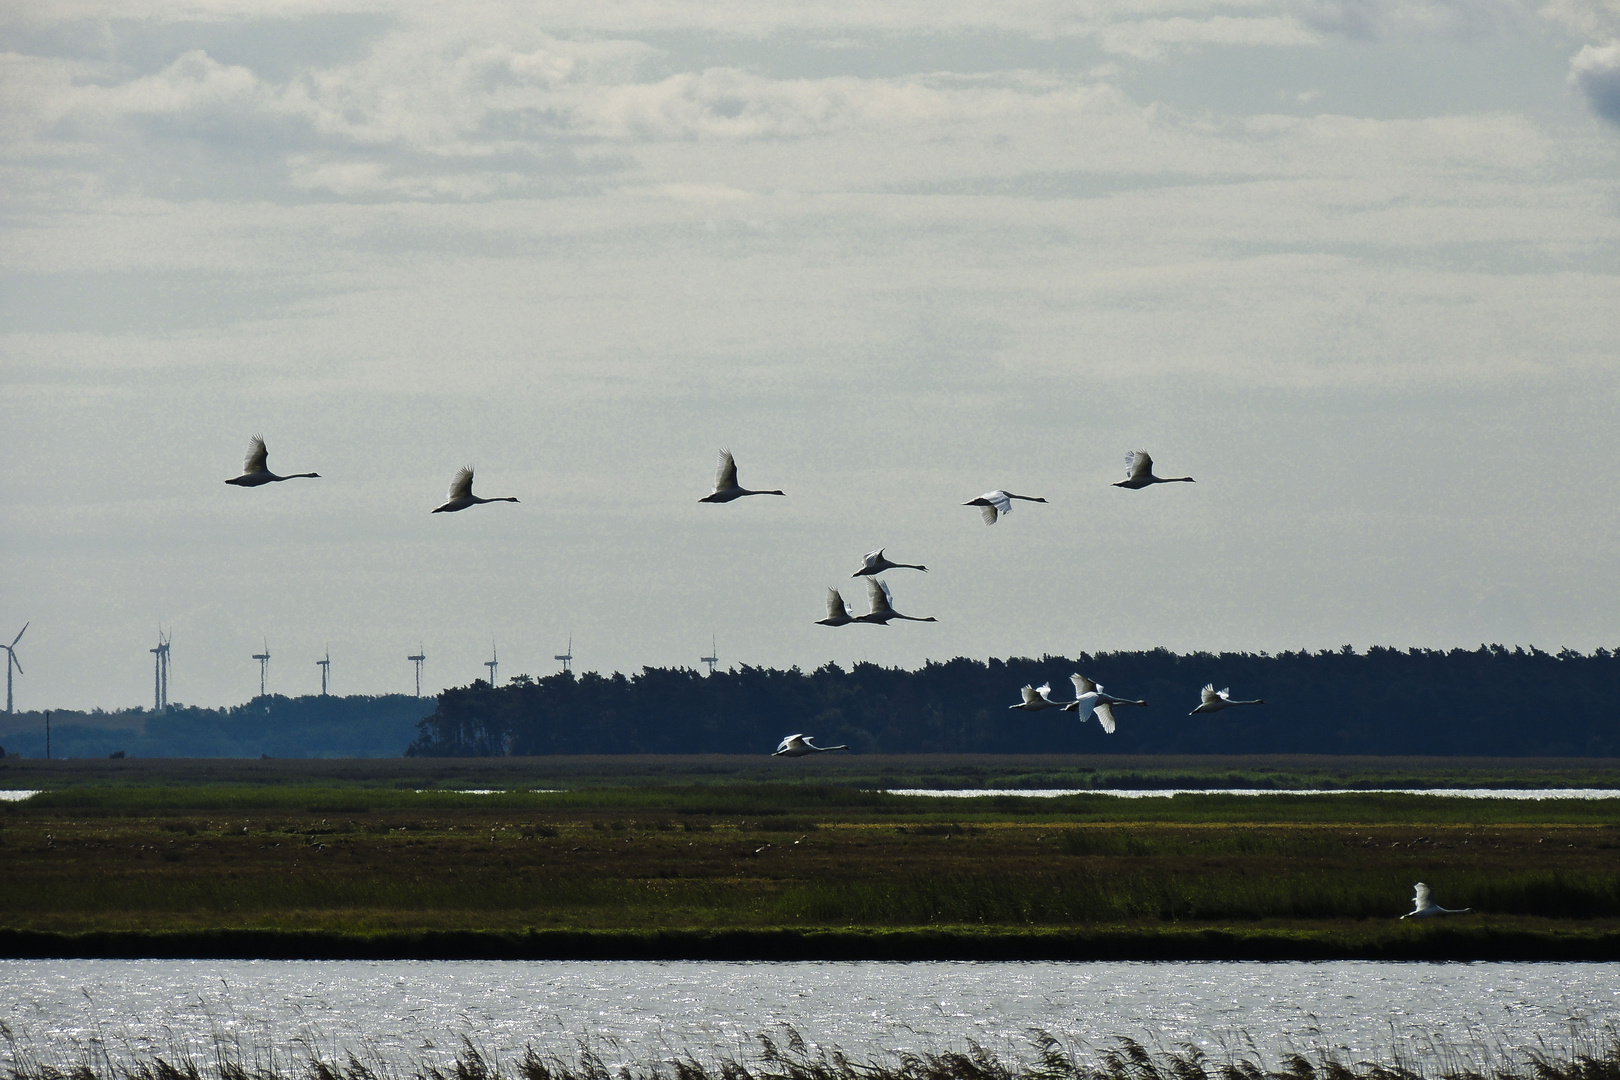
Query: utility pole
(47, 734)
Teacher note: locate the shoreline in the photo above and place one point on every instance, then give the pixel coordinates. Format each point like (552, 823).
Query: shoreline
(1436, 944)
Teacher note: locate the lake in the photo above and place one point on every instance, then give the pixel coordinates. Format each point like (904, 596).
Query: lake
(408, 1012)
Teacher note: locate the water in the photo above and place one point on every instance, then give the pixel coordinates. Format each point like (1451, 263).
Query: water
(1165, 793)
(409, 1012)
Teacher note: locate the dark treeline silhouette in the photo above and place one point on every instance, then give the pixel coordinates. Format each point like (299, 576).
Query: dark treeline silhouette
(1489, 701)
(301, 727)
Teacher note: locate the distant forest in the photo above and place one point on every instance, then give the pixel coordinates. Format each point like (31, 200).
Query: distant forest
(278, 726)
(1489, 701)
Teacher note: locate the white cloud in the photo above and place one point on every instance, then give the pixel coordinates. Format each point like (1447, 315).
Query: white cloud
(1405, 20)
(1598, 19)
(1595, 72)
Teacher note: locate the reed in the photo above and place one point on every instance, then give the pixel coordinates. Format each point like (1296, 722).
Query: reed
(791, 1057)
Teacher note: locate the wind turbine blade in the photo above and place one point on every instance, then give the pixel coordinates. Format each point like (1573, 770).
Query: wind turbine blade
(21, 632)
(16, 661)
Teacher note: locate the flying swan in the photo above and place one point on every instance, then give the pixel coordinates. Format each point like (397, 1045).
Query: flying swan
(254, 470)
(725, 482)
(801, 746)
(876, 564)
(881, 601)
(1424, 907)
(1215, 700)
(837, 613)
(1090, 700)
(1139, 473)
(461, 496)
(1036, 698)
(994, 503)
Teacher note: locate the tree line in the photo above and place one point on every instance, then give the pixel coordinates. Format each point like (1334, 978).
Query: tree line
(277, 726)
(1492, 701)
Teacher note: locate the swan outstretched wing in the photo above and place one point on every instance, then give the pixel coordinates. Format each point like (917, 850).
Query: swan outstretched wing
(1082, 685)
(1208, 696)
(835, 604)
(872, 558)
(461, 486)
(996, 502)
(1138, 465)
(725, 471)
(257, 455)
(1105, 715)
(877, 596)
(1032, 696)
(1421, 897)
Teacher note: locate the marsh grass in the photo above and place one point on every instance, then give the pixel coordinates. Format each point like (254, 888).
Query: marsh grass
(789, 1056)
(148, 859)
(801, 801)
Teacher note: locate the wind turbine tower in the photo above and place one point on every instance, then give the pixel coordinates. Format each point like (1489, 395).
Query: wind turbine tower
(417, 660)
(492, 663)
(160, 673)
(326, 669)
(13, 662)
(711, 659)
(568, 657)
(264, 662)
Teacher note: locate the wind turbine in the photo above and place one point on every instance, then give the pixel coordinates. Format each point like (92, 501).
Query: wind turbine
(12, 661)
(568, 657)
(160, 673)
(492, 663)
(264, 662)
(712, 659)
(417, 660)
(326, 669)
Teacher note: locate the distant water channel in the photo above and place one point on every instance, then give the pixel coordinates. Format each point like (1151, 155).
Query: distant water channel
(408, 1013)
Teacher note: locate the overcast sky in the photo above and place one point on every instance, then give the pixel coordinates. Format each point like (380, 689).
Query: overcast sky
(1352, 264)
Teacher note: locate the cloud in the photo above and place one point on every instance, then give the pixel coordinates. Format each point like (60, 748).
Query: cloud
(1598, 19)
(1595, 72)
(1399, 20)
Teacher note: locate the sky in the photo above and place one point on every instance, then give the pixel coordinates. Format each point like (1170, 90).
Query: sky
(1354, 265)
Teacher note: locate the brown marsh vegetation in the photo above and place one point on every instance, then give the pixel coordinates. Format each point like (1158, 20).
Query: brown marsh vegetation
(352, 861)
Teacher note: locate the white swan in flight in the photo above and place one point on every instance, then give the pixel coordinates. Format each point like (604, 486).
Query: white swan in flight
(801, 746)
(461, 496)
(254, 470)
(1036, 698)
(1215, 700)
(994, 503)
(837, 613)
(725, 482)
(1139, 473)
(1090, 700)
(876, 563)
(1424, 907)
(881, 601)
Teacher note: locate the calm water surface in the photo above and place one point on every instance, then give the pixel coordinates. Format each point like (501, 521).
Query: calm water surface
(408, 1012)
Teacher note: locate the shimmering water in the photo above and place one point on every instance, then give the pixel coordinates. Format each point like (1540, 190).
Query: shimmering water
(410, 1012)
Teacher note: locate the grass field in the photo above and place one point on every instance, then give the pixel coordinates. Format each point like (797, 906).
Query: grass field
(990, 771)
(185, 854)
